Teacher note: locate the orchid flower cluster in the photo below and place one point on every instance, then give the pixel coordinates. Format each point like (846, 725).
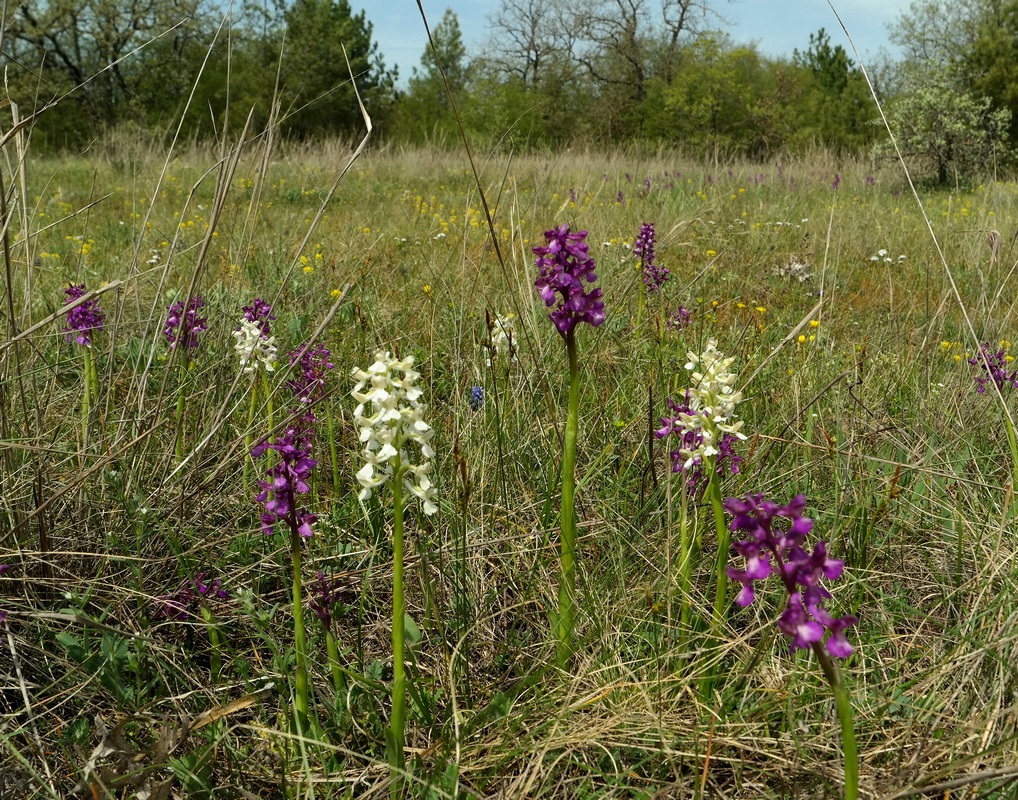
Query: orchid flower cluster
(307, 382)
(476, 398)
(183, 324)
(260, 313)
(255, 347)
(770, 552)
(287, 479)
(501, 337)
(654, 277)
(691, 442)
(325, 596)
(389, 414)
(678, 319)
(995, 367)
(84, 318)
(177, 606)
(708, 417)
(566, 267)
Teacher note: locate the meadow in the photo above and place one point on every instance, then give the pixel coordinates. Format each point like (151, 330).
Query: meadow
(152, 644)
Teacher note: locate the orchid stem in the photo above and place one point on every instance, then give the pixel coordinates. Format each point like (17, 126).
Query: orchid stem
(844, 705)
(398, 720)
(567, 552)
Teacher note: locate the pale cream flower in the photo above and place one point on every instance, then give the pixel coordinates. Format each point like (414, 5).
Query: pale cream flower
(389, 415)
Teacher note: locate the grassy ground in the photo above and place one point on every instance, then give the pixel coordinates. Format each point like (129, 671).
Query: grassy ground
(858, 395)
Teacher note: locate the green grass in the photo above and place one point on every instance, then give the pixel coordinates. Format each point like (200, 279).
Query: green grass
(873, 415)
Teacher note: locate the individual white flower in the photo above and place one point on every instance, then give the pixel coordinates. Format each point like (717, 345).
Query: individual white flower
(253, 349)
(390, 414)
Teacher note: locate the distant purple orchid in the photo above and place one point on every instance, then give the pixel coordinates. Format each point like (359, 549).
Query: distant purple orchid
(183, 324)
(566, 267)
(177, 606)
(307, 382)
(325, 596)
(287, 479)
(678, 319)
(780, 552)
(995, 367)
(654, 276)
(84, 318)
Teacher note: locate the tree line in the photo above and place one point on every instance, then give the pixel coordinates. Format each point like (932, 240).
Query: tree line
(554, 73)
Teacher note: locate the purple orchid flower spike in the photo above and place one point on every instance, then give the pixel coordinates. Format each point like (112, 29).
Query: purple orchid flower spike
(768, 551)
(566, 269)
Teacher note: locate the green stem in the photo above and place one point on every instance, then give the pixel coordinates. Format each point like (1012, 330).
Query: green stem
(721, 576)
(299, 638)
(398, 721)
(338, 678)
(178, 445)
(844, 705)
(215, 653)
(334, 456)
(268, 398)
(719, 612)
(685, 562)
(86, 398)
(248, 432)
(567, 553)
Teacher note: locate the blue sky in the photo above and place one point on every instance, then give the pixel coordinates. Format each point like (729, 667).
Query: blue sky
(777, 26)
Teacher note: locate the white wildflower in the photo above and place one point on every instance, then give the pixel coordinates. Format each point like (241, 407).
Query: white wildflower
(253, 349)
(502, 337)
(390, 414)
(712, 400)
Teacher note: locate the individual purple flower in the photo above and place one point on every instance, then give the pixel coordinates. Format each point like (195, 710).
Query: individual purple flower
(84, 318)
(781, 552)
(566, 267)
(259, 312)
(476, 398)
(287, 479)
(213, 588)
(995, 367)
(325, 596)
(183, 324)
(176, 607)
(689, 439)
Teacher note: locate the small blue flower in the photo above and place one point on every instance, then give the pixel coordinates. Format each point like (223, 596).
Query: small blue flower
(477, 397)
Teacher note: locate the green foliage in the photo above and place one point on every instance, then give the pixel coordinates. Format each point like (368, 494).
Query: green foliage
(109, 53)
(969, 43)
(833, 107)
(425, 112)
(317, 85)
(718, 98)
(946, 134)
(992, 60)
